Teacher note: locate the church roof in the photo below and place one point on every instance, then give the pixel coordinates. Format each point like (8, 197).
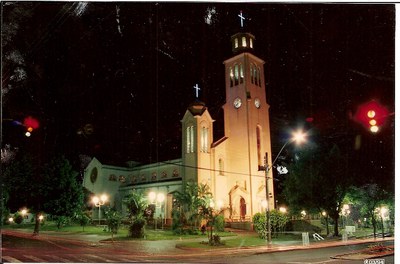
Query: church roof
(197, 108)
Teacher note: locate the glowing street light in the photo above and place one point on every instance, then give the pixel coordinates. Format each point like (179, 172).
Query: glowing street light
(382, 213)
(345, 212)
(41, 217)
(157, 199)
(11, 220)
(298, 137)
(283, 210)
(303, 213)
(24, 212)
(99, 201)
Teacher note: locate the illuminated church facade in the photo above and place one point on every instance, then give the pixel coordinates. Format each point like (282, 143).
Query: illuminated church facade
(232, 166)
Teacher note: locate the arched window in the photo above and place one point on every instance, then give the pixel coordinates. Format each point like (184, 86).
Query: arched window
(236, 42)
(231, 75)
(189, 139)
(258, 77)
(251, 73)
(204, 139)
(236, 74)
(221, 166)
(259, 151)
(244, 43)
(251, 43)
(241, 73)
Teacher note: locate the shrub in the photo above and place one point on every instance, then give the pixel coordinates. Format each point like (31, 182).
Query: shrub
(83, 220)
(61, 221)
(219, 223)
(113, 220)
(18, 218)
(259, 220)
(136, 228)
(177, 225)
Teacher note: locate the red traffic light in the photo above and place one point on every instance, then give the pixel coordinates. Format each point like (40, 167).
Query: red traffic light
(30, 123)
(371, 115)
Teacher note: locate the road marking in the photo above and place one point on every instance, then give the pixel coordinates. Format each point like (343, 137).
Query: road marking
(59, 259)
(34, 258)
(11, 259)
(97, 257)
(126, 259)
(78, 258)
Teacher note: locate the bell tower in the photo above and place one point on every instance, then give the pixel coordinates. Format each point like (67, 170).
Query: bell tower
(247, 126)
(197, 137)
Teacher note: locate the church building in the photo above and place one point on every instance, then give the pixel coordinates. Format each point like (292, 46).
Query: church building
(232, 166)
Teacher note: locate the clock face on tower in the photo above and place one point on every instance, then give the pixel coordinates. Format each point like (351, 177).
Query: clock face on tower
(257, 103)
(237, 102)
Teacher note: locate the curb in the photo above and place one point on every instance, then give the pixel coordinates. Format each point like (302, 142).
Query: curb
(271, 249)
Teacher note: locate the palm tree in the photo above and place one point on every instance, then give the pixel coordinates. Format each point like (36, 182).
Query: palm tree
(136, 206)
(190, 200)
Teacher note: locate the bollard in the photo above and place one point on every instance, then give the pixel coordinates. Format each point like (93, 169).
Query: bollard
(344, 237)
(305, 238)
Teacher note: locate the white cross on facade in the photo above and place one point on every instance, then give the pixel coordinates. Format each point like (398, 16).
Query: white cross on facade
(197, 88)
(241, 18)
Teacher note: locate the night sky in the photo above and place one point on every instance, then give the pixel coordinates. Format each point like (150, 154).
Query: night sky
(113, 80)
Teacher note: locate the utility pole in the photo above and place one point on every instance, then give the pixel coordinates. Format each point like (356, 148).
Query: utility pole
(268, 216)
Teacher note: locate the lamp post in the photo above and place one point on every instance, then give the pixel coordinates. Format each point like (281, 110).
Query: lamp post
(99, 201)
(382, 212)
(345, 213)
(157, 199)
(24, 212)
(41, 217)
(298, 137)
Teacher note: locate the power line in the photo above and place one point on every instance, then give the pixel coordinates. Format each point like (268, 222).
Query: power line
(208, 169)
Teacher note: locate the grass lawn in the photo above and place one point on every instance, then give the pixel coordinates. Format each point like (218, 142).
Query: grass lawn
(150, 234)
(72, 229)
(240, 241)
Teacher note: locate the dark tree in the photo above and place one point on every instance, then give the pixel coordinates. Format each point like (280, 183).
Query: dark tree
(53, 189)
(370, 197)
(17, 183)
(318, 180)
(63, 192)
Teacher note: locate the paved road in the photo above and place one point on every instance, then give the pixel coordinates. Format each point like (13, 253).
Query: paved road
(22, 247)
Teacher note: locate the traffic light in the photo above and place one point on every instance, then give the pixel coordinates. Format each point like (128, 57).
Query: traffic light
(30, 123)
(371, 115)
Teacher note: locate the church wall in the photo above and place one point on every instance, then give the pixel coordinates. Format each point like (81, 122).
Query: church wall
(117, 181)
(167, 188)
(221, 183)
(102, 184)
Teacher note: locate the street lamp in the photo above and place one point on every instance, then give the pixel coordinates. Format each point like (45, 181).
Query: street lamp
(99, 201)
(283, 210)
(303, 214)
(345, 213)
(382, 212)
(157, 199)
(297, 136)
(24, 212)
(41, 217)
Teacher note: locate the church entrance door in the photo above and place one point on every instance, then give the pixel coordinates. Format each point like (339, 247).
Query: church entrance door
(242, 208)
